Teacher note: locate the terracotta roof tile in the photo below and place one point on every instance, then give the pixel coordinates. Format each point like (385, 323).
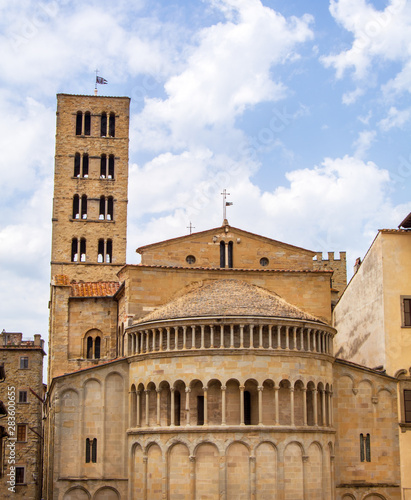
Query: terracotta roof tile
(240, 269)
(94, 289)
(61, 280)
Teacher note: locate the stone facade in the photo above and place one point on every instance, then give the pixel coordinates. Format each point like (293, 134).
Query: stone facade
(22, 394)
(208, 371)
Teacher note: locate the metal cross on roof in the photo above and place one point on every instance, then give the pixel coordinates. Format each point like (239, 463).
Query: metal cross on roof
(191, 227)
(225, 203)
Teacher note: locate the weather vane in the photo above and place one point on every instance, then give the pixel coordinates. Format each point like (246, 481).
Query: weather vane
(225, 203)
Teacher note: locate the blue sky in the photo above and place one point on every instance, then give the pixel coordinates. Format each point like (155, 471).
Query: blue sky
(300, 109)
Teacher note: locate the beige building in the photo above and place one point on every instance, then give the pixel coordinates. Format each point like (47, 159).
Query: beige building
(208, 371)
(21, 436)
(373, 319)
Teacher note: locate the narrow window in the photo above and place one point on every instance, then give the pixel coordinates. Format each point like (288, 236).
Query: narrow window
(94, 451)
(24, 363)
(88, 451)
(102, 211)
(77, 165)
(74, 250)
(110, 208)
(247, 408)
(97, 345)
(109, 251)
(76, 206)
(177, 407)
(103, 129)
(79, 122)
(89, 348)
(21, 432)
(112, 125)
(84, 206)
(111, 167)
(407, 312)
(362, 451)
(230, 254)
(85, 165)
(19, 475)
(87, 123)
(100, 251)
(22, 396)
(407, 405)
(103, 166)
(200, 410)
(222, 254)
(368, 448)
(83, 250)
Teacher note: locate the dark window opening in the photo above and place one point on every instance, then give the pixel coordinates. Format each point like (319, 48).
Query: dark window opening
(230, 254)
(112, 125)
(22, 396)
(84, 206)
(103, 129)
(19, 475)
(85, 165)
(109, 251)
(77, 165)
(222, 254)
(83, 250)
(110, 208)
(24, 363)
(100, 251)
(102, 212)
(264, 261)
(111, 167)
(97, 344)
(94, 451)
(247, 408)
(190, 259)
(79, 122)
(177, 407)
(88, 450)
(200, 410)
(407, 405)
(21, 432)
(89, 348)
(365, 448)
(103, 166)
(76, 206)
(74, 250)
(407, 312)
(87, 121)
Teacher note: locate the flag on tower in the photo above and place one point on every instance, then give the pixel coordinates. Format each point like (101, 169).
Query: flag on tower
(228, 203)
(100, 80)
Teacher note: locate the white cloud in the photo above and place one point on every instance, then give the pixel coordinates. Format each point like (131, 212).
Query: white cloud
(363, 143)
(351, 97)
(395, 118)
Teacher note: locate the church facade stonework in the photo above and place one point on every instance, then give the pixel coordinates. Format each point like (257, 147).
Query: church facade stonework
(208, 371)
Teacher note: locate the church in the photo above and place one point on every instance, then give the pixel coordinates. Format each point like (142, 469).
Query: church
(209, 370)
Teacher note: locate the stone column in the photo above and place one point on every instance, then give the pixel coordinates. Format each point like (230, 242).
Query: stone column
(292, 405)
(161, 339)
(168, 338)
(295, 338)
(302, 339)
(192, 475)
(232, 336)
(287, 337)
(202, 337)
(221, 336)
(241, 336)
(137, 344)
(315, 407)
(223, 405)
(277, 407)
(331, 413)
(184, 337)
(154, 339)
(176, 338)
(145, 463)
(253, 477)
(260, 404)
(173, 406)
(314, 340)
(305, 477)
(270, 336)
(304, 406)
(147, 393)
(260, 336)
(187, 409)
(308, 339)
(278, 337)
(193, 337)
(205, 405)
(323, 407)
(242, 405)
(251, 336)
(158, 407)
(211, 336)
(138, 408)
(147, 332)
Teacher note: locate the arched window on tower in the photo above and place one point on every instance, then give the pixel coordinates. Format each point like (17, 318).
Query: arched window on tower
(74, 250)
(90, 348)
(84, 206)
(103, 128)
(230, 254)
(102, 211)
(97, 346)
(105, 251)
(110, 208)
(111, 167)
(79, 122)
(83, 250)
(222, 254)
(103, 166)
(112, 125)
(100, 251)
(85, 165)
(77, 165)
(92, 344)
(76, 206)
(87, 123)
(109, 251)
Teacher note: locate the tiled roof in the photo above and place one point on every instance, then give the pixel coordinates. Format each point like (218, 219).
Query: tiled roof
(61, 280)
(240, 269)
(94, 289)
(227, 298)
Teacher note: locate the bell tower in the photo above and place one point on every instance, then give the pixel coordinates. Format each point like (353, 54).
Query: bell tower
(90, 187)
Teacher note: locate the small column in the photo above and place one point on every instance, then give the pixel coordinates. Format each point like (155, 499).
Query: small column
(315, 407)
(184, 337)
(251, 336)
(260, 337)
(221, 336)
(158, 406)
(277, 407)
(192, 459)
(278, 337)
(187, 408)
(304, 406)
(223, 405)
(154, 339)
(176, 328)
(202, 336)
(302, 338)
(205, 406)
(168, 338)
(137, 344)
(172, 420)
(241, 336)
(242, 405)
(305, 477)
(330, 402)
(161, 339)
(212, 336)
(138, 408)
(145, 467)
(292, 405)
(287, 337)
(147, 392)
(260, 404)
(193, 337)
(231, 336)
(308, 339)
(253, 474)
(295, 338)
(314, 340)
(270, 336)
(323, 407)
(147, 332)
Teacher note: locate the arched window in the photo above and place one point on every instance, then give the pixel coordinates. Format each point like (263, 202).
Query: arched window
(89, 348)
(106, 208)
(77, 165)
(109, 251)
(76, 206)
(111, 167)
(84, 206)
(83, 250)
(103, 128)
(222, 254)
(79, 122)
(85, 165)
(110, 208)
(103, 166)
(200, 410)
(112, 125)
(87, 122)
(74, 250)
(230, 254)
(94, 451)
(97, 345)
(88, 451)
(100, 251)
(247, 408)
(177, 407)
(102, 211)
